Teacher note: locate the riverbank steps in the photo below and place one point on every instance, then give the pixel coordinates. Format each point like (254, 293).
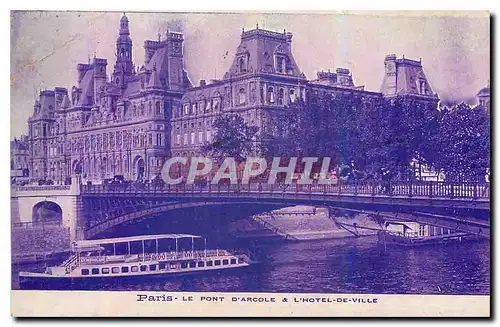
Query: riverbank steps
(303, 223)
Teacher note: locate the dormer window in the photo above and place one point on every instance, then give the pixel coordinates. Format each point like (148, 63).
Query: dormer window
(288, 66)
(242, 65)
(421, 86)
(279, 64)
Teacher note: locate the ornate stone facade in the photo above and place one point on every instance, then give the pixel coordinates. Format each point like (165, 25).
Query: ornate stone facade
(130, 123)
(106, 127)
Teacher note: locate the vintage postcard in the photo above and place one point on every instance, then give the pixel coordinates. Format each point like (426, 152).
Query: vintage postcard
(319, 164)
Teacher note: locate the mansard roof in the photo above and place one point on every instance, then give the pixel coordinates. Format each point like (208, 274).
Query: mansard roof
(408, 74)
(66, 103)
(154, 81)
(259, 49)
(87, 87)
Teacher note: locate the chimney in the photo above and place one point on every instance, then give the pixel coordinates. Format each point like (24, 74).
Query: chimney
(203, 83)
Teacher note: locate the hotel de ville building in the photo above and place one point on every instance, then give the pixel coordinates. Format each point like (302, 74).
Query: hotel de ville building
(127, 123)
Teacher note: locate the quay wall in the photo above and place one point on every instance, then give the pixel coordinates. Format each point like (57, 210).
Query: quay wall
(34, 241)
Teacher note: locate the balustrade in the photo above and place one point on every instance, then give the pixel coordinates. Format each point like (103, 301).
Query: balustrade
(362, 188)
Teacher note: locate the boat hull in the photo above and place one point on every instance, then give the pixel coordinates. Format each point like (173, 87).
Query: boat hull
(390, 239)
(45, 281)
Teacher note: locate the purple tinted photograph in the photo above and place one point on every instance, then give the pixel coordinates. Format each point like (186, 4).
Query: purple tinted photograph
(251, 155)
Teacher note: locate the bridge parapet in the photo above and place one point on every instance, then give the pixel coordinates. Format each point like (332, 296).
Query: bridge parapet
(48, 190)
(408, 189)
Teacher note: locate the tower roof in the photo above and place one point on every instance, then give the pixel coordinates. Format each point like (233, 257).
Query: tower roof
(263, 51)
(124, 25)
(66, 103)
(154, 81)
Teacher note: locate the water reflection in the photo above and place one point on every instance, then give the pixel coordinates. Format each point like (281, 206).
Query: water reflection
(331, 266)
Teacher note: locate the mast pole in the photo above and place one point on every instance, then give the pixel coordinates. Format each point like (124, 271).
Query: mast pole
(192, 247)
(176, 248)
(114, 249)
(156, 246)
(143, 250)
(205, 246)
(128, 246)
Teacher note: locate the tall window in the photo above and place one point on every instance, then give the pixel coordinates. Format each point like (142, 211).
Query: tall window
(279, 64)
(241, 65)
(421, 86)
(200, 137)
(270, 94)
(192, 138)
(158, 107)
(185, 139)
(421, 230)
(242, 96)
(216, 104)
(178, 139)
(281, 96)
(292, 95)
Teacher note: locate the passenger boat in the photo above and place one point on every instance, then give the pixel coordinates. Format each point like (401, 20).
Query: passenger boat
(148, 255)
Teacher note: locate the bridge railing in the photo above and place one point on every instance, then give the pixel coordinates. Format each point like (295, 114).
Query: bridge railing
(390, 189)
(43, 188)
(40, 225)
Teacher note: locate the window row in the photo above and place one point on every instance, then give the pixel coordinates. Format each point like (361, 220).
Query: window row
(191, 139)
(161, 266)
(199, 107)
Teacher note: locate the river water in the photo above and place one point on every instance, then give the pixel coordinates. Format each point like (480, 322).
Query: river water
(332, 266)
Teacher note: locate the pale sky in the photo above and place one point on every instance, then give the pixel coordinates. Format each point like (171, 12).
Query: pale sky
(47, 46)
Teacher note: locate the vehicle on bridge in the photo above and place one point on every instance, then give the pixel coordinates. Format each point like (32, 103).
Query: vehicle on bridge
(146, 255)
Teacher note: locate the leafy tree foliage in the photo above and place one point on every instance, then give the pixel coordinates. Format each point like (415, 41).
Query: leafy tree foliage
(233, 138)
(369, 134)
(461, 148)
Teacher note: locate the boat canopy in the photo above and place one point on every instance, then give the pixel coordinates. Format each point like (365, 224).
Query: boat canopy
(91, 243)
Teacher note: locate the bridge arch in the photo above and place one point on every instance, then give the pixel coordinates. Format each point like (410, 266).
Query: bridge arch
(46, 211)
(116, 221)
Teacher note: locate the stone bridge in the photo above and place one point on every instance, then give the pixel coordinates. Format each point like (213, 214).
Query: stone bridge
(92, 209)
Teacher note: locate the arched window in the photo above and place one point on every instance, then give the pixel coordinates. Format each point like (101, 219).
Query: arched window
(292, 95)
(242, 96)
(270, 94)
(281, 96)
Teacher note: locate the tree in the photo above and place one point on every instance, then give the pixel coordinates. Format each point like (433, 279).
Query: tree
(233, 138)
(462, 144)
(369, 134)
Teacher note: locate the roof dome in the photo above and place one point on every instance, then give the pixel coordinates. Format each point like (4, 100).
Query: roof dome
(484, 91)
